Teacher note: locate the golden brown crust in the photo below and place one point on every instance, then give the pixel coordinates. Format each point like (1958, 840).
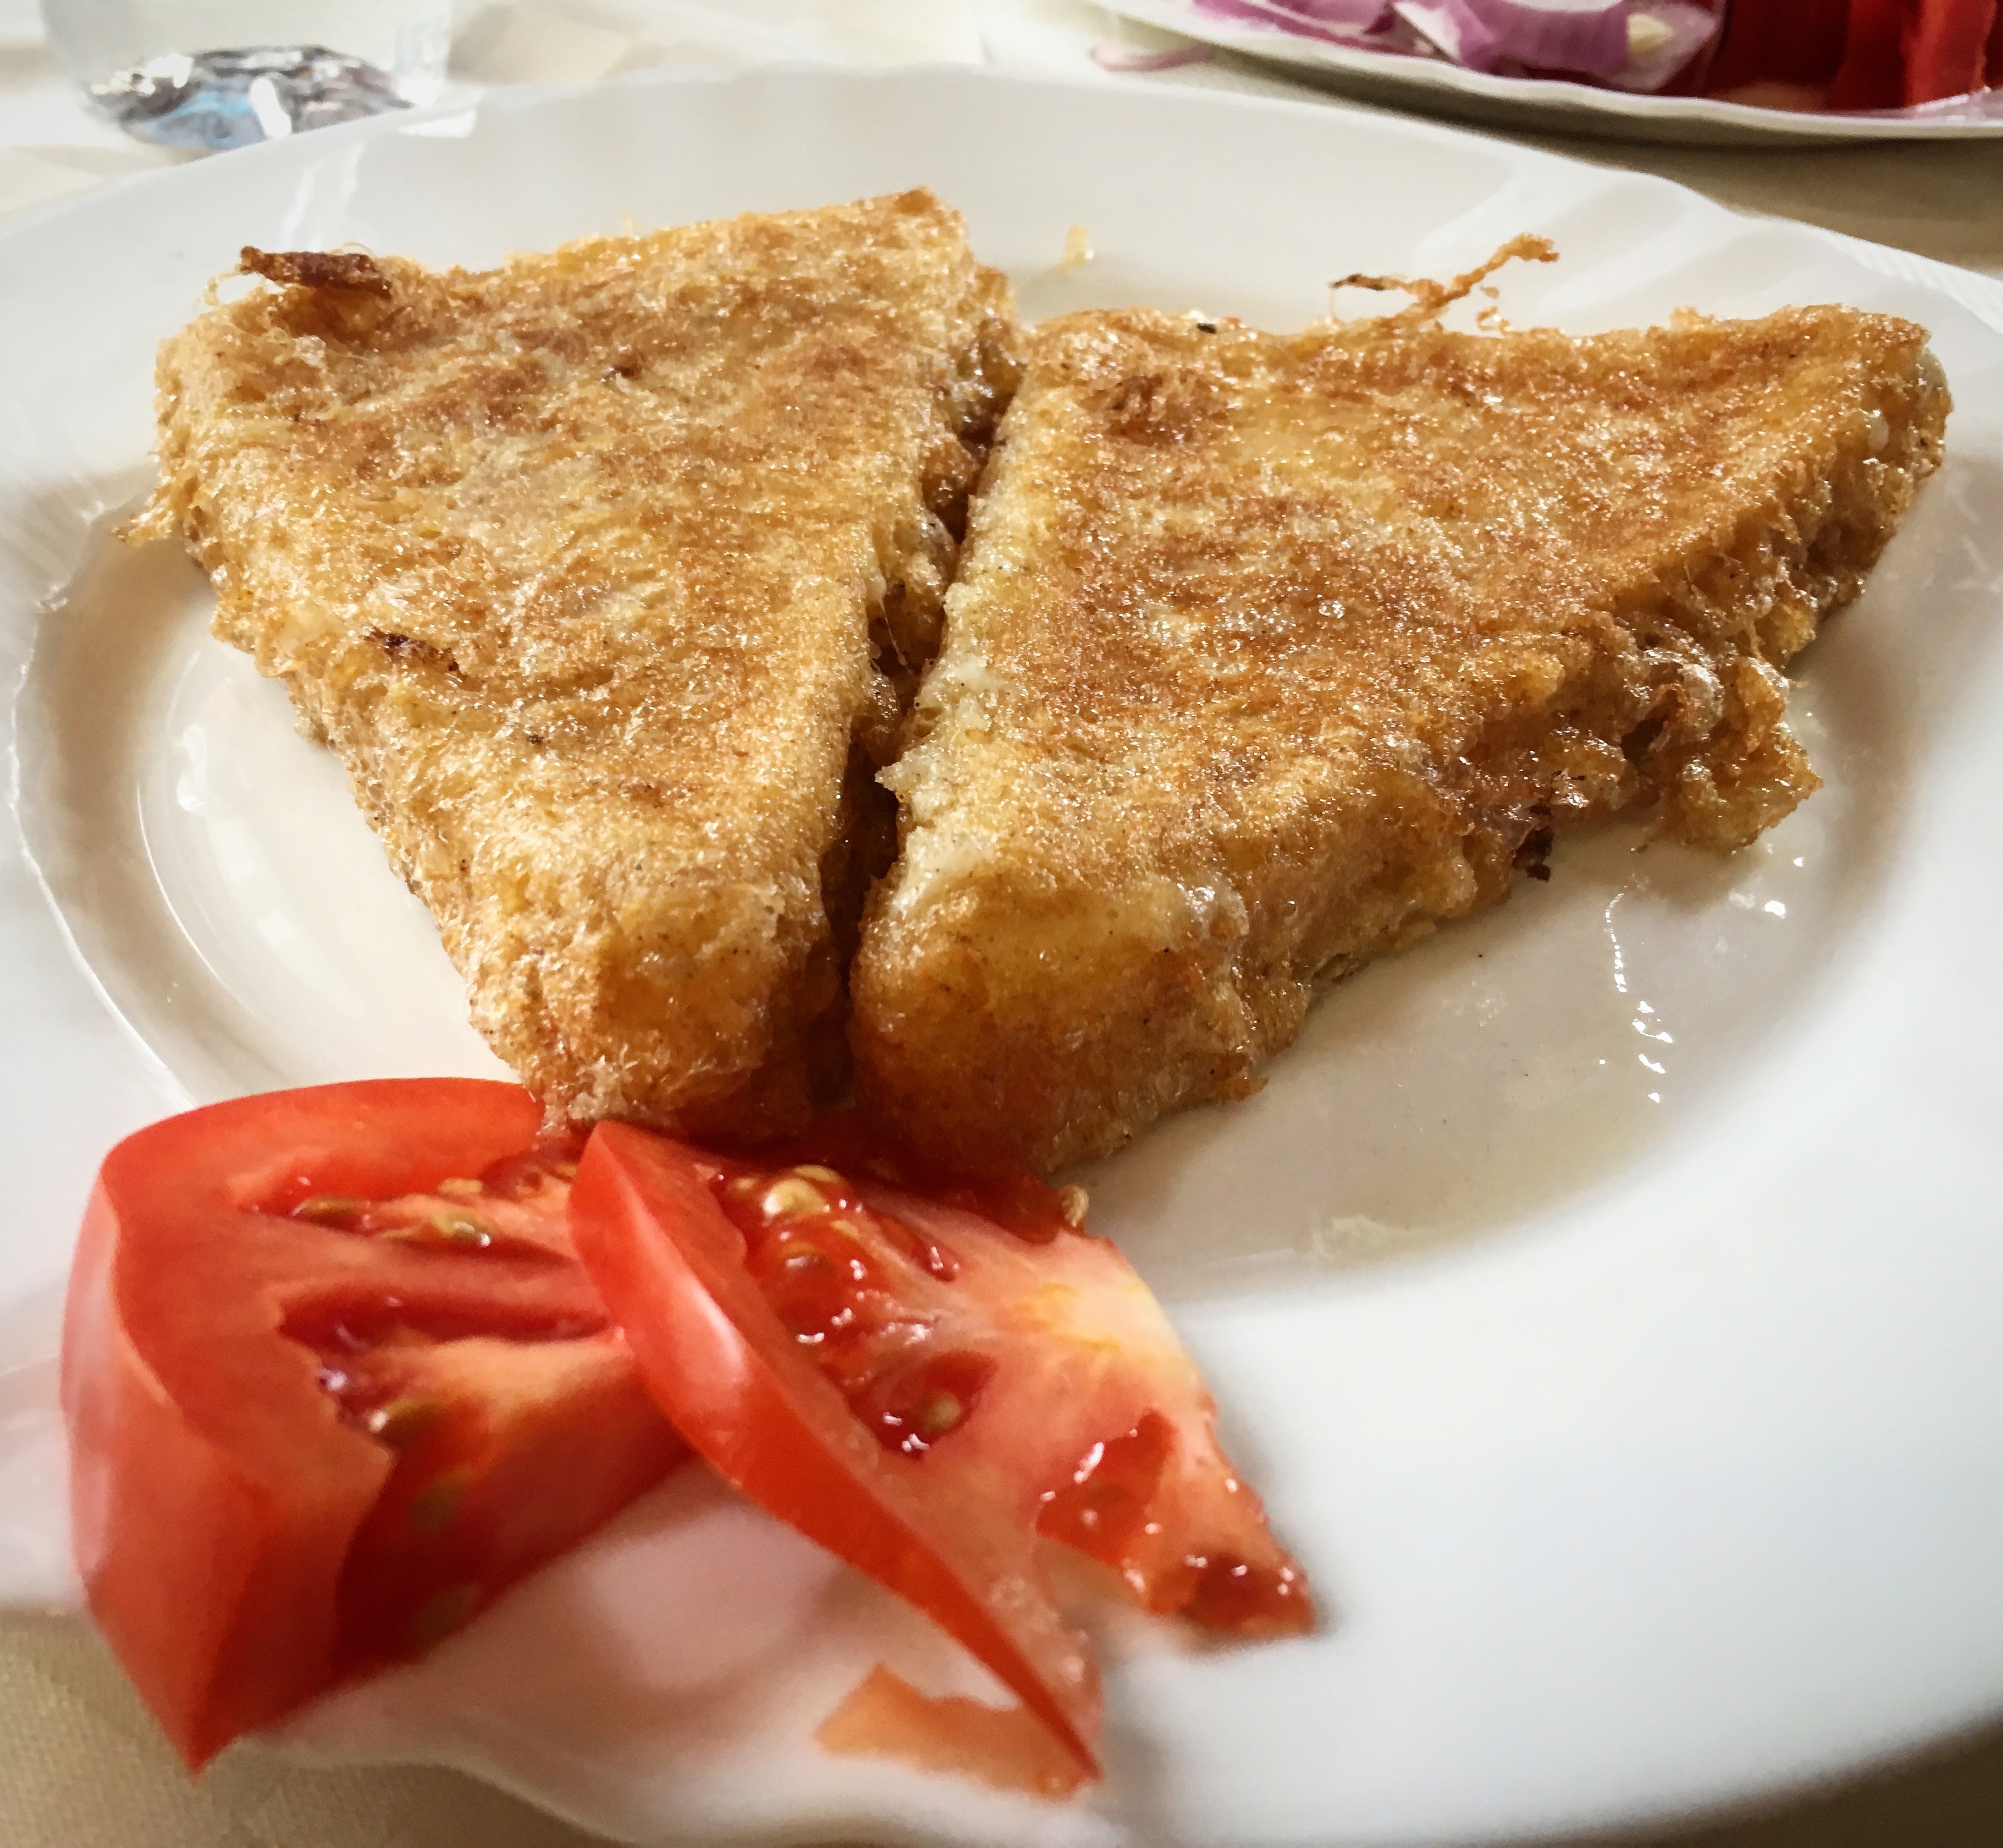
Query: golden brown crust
(576, 563)
(315, 269)
(1268, 654)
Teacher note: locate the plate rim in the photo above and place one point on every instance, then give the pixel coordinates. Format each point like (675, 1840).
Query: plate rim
(1922, 270)
(1969, 285)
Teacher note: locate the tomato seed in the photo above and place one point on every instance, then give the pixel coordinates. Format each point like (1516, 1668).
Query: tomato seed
(463, 1228)
(939, 1414)
(789, 1197)
(912, 1410)
(1073, 1203)
(337, 1210)
(458, 1185)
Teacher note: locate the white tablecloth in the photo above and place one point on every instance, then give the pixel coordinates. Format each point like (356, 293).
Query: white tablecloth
(80, 1765)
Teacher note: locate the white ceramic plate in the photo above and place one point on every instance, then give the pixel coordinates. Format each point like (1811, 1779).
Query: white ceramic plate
(1605, 1293)
(1432, 84)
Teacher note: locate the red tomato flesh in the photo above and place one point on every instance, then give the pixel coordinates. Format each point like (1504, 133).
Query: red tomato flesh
(333, 1379)
(1789, 41)
(1945, 49)
(927, 1388)
(1871, 75)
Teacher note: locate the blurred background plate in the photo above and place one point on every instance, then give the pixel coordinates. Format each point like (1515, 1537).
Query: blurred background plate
(1437, 87)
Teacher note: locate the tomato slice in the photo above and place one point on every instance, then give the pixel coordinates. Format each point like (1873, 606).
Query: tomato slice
(1899, 54)
(1945, 49)
(333, 1378)
(928, 1385)
(1871, 75)
(1783, 41)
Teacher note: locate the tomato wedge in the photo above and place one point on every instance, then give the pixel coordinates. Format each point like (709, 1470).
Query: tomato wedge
(1787, 41)
(332, 1379)
(1871, 75)
(1946, 49)
(926, 1386)
(1896, 54)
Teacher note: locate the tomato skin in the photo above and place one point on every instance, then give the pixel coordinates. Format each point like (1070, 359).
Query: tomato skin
(1871, 53)
(139, 1464)
(1789, 41)
(218, 1489)
(1871, 75)
(933, 1425)
(767, 1421)
(1945, 48)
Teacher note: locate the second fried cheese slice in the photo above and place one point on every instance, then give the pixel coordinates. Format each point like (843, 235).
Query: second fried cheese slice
(600, 570)
(1268, 653)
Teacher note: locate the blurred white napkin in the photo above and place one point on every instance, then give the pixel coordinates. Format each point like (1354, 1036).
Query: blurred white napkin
(52, 146)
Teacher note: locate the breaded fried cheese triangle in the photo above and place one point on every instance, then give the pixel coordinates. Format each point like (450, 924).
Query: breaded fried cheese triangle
(601, 571)
(1268, 655)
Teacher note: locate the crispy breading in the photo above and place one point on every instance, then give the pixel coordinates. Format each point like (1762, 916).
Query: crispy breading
(598, 570)
(1268, 653)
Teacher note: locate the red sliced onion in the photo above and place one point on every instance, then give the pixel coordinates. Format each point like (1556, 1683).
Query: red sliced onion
(1628, 44)
(1337, 20)
(1589, 37)
(1359, 15)
(1458, 32)
(1662, 36)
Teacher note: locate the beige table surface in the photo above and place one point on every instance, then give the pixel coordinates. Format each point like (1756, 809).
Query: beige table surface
(80, 1766)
